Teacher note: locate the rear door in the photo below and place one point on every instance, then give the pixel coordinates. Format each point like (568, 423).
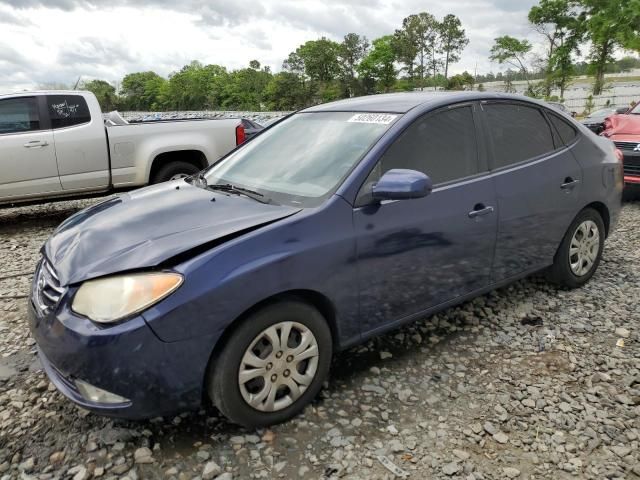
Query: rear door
(416, 254)
(538, 184)
(80, 142)
(27, 152)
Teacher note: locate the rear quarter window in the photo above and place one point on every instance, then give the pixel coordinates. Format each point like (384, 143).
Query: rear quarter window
(566, 131)
(67, 110)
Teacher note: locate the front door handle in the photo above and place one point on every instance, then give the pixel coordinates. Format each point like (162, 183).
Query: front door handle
(35, 144)
(569, 183)
(479, 210)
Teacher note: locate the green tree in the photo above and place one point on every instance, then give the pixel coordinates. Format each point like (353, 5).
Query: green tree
(405, 49)
(420, 34)
(627, 63)
(377, 68)
(141, 90)
(196, 87)
(462, 81)
(352, 50)
(317, 64)
(104, 92)
(511, 51)
(244, 89)
(294, 63)
(610, 24)
(320, 59)
(562, 25)
(453, 40)
(285, 91)
(628, 33)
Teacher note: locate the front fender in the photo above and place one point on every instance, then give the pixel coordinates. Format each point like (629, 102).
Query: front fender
(313, 252)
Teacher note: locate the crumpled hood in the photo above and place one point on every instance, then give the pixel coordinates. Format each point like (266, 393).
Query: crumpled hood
(145, 227)
(622, 124)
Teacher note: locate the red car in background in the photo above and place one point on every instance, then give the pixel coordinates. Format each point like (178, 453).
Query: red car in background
(624, 131)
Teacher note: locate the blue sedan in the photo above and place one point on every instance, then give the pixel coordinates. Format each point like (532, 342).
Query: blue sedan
(338, 223)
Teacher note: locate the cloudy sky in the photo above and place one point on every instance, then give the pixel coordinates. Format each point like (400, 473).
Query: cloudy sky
(55, 41)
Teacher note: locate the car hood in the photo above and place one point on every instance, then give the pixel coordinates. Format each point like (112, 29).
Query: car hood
(622, 124)
(149, 226)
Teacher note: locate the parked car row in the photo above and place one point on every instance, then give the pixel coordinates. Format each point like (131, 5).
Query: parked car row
(623, 129)
(55, 144)
(338, 223)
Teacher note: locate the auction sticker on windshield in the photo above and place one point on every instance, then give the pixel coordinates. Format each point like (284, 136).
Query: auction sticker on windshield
(380, 118)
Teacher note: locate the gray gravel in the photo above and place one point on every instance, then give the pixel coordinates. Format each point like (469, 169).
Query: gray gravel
(527, 382)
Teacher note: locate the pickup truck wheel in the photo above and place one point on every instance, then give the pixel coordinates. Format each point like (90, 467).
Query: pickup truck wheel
(272, 365)
(580, 252)
(174, 171)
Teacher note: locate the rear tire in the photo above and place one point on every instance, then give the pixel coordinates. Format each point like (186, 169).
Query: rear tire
(255, 361)
(580, 252)
(173, 171)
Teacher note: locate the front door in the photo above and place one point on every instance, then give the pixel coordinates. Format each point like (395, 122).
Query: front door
(416, 254)
(27, 152)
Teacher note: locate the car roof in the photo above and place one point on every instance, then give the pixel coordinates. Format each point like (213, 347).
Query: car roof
(405, 101)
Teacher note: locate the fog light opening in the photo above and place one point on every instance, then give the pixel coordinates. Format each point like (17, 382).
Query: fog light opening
(97, 395)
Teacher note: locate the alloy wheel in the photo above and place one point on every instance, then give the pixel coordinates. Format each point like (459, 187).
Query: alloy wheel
(178, 176)
(584, 248)
(278, 366)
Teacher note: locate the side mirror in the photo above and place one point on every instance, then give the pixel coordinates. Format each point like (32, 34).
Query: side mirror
(621, 110)
(399, 184)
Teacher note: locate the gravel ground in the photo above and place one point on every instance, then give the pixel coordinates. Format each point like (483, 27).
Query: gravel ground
(525, 382)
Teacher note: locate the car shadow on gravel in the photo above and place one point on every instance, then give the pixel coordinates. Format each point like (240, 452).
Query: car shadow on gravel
(27, 219)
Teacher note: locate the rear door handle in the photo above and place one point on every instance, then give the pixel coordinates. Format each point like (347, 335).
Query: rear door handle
(35, 144)
(479, 210)
(569, 183)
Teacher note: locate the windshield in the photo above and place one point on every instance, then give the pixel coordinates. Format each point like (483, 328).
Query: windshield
(602, 113)
(635, 110)
(303, 159)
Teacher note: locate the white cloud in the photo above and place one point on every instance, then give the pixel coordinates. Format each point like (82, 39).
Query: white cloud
(59, 40)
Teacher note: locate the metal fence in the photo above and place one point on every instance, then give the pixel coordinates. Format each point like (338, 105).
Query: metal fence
(580, 104)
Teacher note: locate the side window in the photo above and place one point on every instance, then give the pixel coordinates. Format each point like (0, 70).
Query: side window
(19, 115)
(567, 132)
(67, 110)
(519, 133)
(442, 145)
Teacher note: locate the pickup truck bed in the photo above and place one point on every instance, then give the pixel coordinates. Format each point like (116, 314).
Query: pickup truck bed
(56, 145)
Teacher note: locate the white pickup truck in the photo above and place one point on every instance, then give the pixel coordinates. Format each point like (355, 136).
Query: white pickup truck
(56, 144)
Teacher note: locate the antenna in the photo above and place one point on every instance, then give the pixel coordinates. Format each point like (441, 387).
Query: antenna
(75, 87)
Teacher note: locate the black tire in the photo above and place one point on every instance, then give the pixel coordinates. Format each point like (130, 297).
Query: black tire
(171, 169)
(222, 382)
(560, 272)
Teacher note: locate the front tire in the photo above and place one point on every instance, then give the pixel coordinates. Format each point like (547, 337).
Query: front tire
(580, 252)
(174, 171)
(272, 365)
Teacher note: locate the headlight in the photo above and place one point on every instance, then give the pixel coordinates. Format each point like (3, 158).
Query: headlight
(109, 299)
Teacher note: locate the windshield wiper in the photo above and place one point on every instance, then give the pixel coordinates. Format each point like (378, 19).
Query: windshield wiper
(227, 187)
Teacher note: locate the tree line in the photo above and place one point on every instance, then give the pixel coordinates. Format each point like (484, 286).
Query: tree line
(569, 28)
(415, 56)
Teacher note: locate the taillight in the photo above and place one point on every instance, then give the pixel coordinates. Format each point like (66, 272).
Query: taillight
(240, 135)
